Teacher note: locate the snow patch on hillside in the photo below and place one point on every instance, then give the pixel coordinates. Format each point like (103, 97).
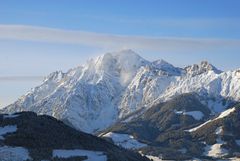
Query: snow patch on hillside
(219, 130)
(7, 129)
(153, 158)
(238, 142)
(216, 150)
(124, 140)
(14, 154)
(91, 155)
(197, 115)
(225, 113)
(222, 115)
(10, 116)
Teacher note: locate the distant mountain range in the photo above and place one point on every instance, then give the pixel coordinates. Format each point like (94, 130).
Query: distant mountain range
(154, 107)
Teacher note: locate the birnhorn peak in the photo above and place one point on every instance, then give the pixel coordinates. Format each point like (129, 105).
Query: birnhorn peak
(94, 96)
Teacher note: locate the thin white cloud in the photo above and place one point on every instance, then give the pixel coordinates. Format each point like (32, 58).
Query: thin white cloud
(21, 78)
(109, 41)
(176, 23)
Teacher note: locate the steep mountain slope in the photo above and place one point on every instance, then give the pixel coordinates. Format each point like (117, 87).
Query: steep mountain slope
(162, 127)
(29, 136)
(180, 129)
(83, 96)
(150, 86)
(110, 87)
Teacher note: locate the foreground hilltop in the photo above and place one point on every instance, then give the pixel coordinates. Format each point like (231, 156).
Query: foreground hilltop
(28, 136)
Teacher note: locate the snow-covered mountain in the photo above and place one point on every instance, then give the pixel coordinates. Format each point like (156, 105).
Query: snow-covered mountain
(114, 85)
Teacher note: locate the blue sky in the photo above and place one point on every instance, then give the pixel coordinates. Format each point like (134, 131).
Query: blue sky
(214, 18)
(38, 37)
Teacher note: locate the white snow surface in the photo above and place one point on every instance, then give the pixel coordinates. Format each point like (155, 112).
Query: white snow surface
(153, 158)
(195, 159)
(222, 115)
(226, 113)
(7, 129)
(91, 155)
(219, 130)
(14, 154)
(94, 96)
(216, 150)
(197, 115)
(124, 140)
(238, 142)
(10, 116)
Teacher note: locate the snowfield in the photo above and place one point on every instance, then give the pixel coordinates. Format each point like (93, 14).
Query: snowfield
(124, 140)
(153, 158)
(91, 155)
(14, 154)
(219, 130)
(197, 115)
(7, 129)
(216, 150)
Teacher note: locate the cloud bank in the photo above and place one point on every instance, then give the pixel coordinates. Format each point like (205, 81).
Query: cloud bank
(110, 41)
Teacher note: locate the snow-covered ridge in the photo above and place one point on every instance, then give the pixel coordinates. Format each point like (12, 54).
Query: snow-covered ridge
(109, 87)
(226, 113)
(222, 115)
(203, 67)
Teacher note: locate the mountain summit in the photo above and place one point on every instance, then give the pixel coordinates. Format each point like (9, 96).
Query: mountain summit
(114, 85)
(204, 66)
